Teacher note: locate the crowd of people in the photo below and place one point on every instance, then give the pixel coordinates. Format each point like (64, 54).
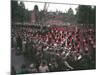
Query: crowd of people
(58, 49)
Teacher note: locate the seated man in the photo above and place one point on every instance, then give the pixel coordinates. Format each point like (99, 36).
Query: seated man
(43, 67)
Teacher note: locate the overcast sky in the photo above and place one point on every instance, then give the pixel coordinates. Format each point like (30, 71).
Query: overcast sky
(60, 7)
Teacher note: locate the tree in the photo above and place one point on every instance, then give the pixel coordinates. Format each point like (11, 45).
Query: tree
(27, 16)
(18, 12)
(93, 15)
(41, 16)
(71, 17)
(14, 11)
(85, 14)
(22, 11)
(70, 11)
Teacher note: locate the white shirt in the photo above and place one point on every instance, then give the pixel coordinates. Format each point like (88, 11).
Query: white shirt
(43, 68)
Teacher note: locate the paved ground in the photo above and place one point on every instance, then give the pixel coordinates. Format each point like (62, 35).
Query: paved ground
(18, 60)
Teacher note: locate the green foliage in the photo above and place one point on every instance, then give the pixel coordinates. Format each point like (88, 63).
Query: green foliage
(18, 12)
(41, 16)
(86, 14)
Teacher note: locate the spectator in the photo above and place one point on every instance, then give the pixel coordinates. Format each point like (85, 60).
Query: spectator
(43, 67)
(32, 69)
